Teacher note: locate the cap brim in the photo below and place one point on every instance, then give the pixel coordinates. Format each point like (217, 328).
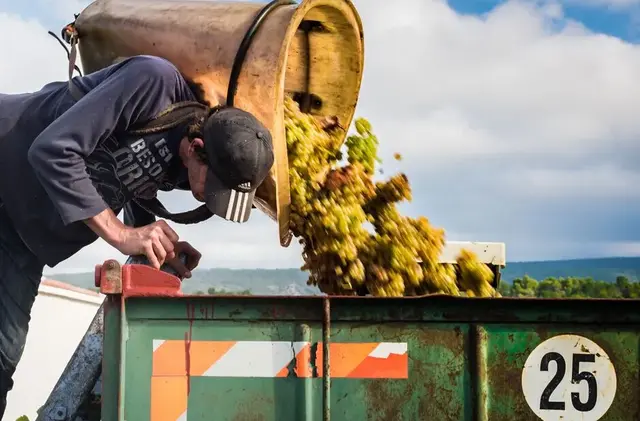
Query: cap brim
(232, 205)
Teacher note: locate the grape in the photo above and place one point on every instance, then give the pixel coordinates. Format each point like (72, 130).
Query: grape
(333, 203)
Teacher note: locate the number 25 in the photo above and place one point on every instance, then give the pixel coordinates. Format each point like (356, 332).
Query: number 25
(576, 377)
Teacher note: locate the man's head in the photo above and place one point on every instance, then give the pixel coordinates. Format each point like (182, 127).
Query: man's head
(227, 156)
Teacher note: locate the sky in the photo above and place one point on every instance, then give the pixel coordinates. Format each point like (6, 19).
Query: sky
(517, 120)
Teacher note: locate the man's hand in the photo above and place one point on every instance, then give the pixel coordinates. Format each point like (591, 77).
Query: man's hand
(156, 241)
(193, 258)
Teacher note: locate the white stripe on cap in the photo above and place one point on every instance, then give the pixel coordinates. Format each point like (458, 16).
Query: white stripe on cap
(230, 205)
(240, 209)
(247, 211)
(236, 209)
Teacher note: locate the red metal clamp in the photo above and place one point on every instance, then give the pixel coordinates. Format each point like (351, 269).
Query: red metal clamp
(133, 280)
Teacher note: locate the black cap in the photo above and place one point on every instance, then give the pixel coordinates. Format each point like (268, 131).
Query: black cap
(240, 154)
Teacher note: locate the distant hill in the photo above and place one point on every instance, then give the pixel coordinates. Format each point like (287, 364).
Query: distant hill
(293, 281)
(605, 269)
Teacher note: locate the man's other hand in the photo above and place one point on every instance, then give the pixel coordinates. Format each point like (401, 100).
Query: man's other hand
(157, 241)
(193, 258)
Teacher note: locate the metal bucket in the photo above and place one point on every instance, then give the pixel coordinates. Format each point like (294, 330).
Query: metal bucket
(315, 47)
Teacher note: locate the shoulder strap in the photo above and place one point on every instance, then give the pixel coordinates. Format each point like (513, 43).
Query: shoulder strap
(155, 207)
(173, 116)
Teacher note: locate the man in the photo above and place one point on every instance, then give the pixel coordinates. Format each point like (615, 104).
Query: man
(68, 167)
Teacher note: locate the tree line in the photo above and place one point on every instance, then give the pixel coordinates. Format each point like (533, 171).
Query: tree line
(214, 291)
(571, 288)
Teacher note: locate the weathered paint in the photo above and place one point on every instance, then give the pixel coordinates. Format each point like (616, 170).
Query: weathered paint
(465, 357)
(171, 375)
(273, 359)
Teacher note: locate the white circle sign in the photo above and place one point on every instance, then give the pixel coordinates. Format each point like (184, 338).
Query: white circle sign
(569, 377)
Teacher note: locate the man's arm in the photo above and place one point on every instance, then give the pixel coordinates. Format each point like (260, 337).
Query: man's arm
(108, 227)
(135, 92)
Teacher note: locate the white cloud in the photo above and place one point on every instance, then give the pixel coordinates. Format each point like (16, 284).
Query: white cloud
(615, 4)
(520, 104)
(518, 85)
(623, 248)
(31, 57)
(597, 182)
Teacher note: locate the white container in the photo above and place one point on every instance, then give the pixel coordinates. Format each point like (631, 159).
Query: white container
(60, 317)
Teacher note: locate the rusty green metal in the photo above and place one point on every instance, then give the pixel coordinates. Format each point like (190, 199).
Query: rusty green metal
(465, 357)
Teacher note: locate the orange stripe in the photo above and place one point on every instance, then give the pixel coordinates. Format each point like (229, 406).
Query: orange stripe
(168, 398)
(393, 367)
(204, 354)
(344, 357)
(284, 372)
(303, 362)
(170, 358)
(302, 367)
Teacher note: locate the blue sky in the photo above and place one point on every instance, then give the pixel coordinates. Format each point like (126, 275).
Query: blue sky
(617, 21)
(517, 122)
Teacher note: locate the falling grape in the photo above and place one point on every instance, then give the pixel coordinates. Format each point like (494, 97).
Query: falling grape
(333, 202)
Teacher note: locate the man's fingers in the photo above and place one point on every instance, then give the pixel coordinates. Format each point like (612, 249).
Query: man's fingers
(153, 260)
(192, 261)
(161, 254)
(169, 232)
(180, 268)
(193, 255)
(168, 247)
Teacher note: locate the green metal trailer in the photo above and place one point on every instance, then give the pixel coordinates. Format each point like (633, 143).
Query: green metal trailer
(168, 356)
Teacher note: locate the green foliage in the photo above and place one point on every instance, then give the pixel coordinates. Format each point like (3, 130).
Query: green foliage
(570, 288)
(213, 291)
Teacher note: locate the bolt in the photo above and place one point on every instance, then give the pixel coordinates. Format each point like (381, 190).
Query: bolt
(111, 264)
(59, 413)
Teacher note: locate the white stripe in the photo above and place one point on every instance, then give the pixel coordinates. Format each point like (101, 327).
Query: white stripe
(246, 210)
(242, 201)
(255, 359)
(384, 349)
(157, 343)
(237, 206)
(182, 417)
(230, 206)
(245, 201)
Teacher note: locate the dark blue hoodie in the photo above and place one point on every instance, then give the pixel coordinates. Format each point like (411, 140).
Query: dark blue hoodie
(63, 161)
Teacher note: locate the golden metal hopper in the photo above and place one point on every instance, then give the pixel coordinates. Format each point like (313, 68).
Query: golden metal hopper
(315, 47)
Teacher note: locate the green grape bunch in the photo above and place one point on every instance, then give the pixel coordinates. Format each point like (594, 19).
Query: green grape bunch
(354, 239)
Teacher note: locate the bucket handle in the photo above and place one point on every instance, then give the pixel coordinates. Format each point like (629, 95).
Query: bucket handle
(246, 43)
